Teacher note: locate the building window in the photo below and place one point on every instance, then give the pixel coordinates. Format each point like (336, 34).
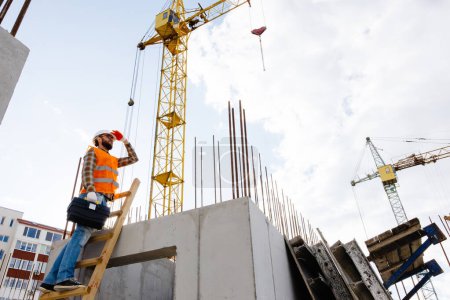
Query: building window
(11, 223)
(31, 232)
(52, 236)
(44, 249)
(2, 219)
(4, 238)
(1, 254)
(30, 247)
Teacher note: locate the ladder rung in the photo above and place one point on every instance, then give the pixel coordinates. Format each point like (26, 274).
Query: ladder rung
(62, 295)
(122, 195)
(101, 236)
(89, 262)
(116, 213)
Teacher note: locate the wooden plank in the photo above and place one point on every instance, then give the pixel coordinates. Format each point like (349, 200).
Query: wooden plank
(88, 262)
(65, 294)
(397, 240)
(122, 195)
(99, 236)
(115, 213)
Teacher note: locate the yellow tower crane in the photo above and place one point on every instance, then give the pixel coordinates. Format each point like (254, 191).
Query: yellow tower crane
(173, 27)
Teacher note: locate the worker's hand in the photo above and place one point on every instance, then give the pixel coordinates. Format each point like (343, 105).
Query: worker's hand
(119, 136)
(92, 197)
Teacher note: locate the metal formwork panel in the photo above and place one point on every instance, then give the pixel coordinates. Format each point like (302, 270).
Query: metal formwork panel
(363, 280)
(331, 270)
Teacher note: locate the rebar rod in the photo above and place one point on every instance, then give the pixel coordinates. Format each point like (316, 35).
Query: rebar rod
(280, 208)
(220, 174)
(201, 176)
(254, 179)
(269, 201)
(20, 17)
(246, 155)
(262, 184)
(73, 194)
(284, 213)
(5, 10)
(214, 164)
(274, 200)
(236, 177)
(305, 233)
(443, 224)
(243, 171)
(231, 149)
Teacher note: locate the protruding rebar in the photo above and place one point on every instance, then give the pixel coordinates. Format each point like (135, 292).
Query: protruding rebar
(246, 154)
(73, 194)
(214, 167)
(445, 227)
(195, 171)
(5, 10)
(269, 201)
(243, 170)
(201, 176)
(231, 149)
(236, 177)
(20, 17)
(262, 184)
(254, 178)
(220, 174)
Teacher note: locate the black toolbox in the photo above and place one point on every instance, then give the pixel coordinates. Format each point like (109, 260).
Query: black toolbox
(87, 213)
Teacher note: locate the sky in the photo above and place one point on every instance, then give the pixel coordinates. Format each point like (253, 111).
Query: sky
(336, 73)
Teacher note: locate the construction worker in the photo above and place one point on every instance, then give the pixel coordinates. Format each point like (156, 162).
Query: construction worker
(99, 182)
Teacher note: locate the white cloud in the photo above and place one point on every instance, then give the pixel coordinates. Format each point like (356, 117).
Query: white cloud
(337, 71)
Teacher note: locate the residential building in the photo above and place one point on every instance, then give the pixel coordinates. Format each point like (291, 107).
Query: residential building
(25, 259)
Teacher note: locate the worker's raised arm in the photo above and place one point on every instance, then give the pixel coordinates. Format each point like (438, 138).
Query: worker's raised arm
(132, 157)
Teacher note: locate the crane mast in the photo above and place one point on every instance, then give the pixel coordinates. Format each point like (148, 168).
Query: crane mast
(173, 27)
(388, 179)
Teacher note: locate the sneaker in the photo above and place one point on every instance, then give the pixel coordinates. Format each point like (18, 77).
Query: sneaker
(68, 285)
(46, 288)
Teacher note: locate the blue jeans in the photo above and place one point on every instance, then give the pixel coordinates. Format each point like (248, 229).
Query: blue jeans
(64, 266)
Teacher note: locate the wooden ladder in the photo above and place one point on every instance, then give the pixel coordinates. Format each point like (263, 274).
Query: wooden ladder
(100, 263)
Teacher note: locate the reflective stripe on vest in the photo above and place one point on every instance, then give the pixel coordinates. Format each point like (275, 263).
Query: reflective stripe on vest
(107, 180)
(106, 168)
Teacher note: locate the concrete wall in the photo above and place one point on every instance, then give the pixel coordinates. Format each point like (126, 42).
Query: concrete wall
(13, 55)
(151, 280)
(224, 251)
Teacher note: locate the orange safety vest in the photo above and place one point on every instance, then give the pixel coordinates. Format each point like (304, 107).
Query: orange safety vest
(105, 173)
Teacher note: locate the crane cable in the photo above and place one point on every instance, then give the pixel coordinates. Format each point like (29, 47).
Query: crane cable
(153, 131)
(419, 140)
(259, 31)
(361, 156)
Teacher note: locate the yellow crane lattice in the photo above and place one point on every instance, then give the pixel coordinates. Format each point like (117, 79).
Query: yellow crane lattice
(173, 27)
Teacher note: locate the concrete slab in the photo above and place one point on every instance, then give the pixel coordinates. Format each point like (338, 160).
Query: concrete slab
(13, 55)
(224, 251)
(151, 280)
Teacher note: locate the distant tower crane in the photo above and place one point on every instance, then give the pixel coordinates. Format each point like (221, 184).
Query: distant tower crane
(387, 174)
(173, 27)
